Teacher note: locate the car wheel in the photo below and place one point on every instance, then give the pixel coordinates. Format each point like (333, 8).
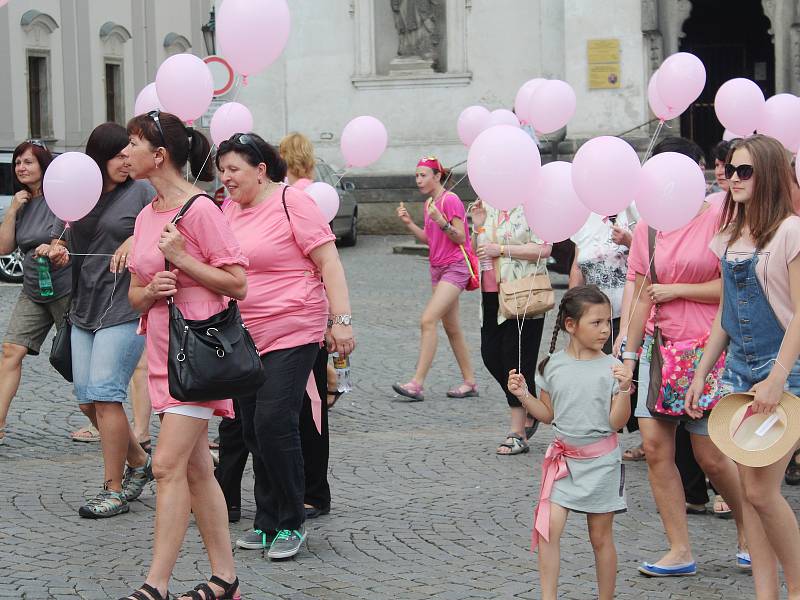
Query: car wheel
(11, 266)
(351, 238)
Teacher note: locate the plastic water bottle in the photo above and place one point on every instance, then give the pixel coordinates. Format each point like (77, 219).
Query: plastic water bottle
(486, 263)
(342, 366)
(45, 281)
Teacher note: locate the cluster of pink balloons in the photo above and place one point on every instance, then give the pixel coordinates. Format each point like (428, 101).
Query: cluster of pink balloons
(675, 85)
(72, 186)
(364, 140)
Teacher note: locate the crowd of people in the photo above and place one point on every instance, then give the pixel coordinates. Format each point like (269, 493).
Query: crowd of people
(155, 240)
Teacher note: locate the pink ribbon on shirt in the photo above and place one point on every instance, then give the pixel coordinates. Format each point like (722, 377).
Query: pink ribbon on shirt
(554, 468)
(316, 402)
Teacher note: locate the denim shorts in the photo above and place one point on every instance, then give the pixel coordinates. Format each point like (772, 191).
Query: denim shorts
(456, 273)
(103, 362)
(696, 426)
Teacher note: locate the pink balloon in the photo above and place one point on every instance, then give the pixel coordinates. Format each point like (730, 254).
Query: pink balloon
(503, 116)
(326, 197)
(780, 119)
(554, 212)
(605, 173)
(671, 190)
(681, 79)
(252, 33)
(503, 166)
(147, 100)
(72, 186)
(739, 103)
(729, 135)
(657, 105)
(552, 105)
(228, 119)
(185, 86)
(471, 122)
(3, 2)
(364, 141)
(523, 98)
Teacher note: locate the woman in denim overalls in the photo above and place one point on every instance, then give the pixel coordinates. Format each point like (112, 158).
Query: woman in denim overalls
(759, 245)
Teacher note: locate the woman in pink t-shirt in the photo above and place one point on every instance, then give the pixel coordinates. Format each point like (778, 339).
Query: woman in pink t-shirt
(686, 297)
(207, 266)
(445, 233)
(290, 313)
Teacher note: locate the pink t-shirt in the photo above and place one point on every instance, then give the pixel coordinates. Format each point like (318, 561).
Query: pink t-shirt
(682, 256)
(286, 304)
(302, 184)
(442, 251)
(209, 239)
(773, 263)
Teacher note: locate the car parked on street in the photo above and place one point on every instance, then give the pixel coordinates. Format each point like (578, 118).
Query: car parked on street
(345, 223)
(10, 264)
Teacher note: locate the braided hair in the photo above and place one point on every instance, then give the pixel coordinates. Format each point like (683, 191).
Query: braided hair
(572, 306)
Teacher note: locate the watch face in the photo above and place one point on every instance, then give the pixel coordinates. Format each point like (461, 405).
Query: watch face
(346, 320)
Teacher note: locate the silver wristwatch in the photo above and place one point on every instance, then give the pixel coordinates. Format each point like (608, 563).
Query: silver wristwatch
(345, 320)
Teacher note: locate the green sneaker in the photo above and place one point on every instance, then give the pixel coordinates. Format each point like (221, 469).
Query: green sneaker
(287, 543)
(135, 479)
(106, 504)
(255, 539)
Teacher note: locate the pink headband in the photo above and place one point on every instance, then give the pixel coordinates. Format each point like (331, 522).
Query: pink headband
(431, 162)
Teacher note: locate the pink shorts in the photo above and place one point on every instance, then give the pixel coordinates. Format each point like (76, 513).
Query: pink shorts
(455, 273)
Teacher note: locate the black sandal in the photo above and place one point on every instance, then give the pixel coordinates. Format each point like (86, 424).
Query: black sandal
(336, 395)
(139, 594)
(147, 446)
(208, 594)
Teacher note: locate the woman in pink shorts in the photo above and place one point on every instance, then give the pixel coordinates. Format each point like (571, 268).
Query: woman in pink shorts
(444, 231)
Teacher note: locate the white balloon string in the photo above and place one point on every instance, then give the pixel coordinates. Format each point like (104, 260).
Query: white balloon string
(338, 181)
(653, 141)
(521, 321)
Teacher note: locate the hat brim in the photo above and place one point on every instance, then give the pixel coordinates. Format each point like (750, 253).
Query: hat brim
(719, 428)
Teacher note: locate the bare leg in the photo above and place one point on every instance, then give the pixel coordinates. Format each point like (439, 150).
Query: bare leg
(140, 399)
(444, 294)
(87, 408)
(550, 553)
(605, 553)
(452, 327)
(658, 441)
(10, 374)
(115, 437)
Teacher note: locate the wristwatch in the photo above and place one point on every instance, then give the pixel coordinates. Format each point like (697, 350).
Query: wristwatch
(630, 356)
(345, 320)
(446, 226)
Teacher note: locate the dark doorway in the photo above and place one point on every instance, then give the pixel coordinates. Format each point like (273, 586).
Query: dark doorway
(732, 40)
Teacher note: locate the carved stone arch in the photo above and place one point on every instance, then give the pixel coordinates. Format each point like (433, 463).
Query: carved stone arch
(113, 37)
(175, 43)
(34, 19)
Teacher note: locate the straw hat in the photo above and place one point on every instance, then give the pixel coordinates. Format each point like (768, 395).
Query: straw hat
(754, 440)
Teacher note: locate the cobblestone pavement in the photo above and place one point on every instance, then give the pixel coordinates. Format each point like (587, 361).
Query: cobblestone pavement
(422, 506)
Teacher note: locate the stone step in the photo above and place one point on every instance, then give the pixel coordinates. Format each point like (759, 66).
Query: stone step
(410, 249)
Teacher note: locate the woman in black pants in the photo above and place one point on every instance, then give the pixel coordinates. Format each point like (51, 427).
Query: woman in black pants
(508, 250)
(290, 313)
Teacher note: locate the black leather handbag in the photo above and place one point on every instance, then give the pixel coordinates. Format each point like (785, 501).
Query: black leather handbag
(213, 358)
(61, 351)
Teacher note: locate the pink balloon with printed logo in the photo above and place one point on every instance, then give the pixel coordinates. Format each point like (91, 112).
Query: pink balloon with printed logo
(326, 197)
(72, 186)
(681, 79)
(471, 122)
(503, 166)
(554, 212)
(252, 33)
(739, 105)
(780, 119)
(552, 105)
(364, 141)
(671, 191)
(185, 86)
(147, 100)
(523, 99)
(657, 105)
(503, 116)
(230, 118)
(605, 174)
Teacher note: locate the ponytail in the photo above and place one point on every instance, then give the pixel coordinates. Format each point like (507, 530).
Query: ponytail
(556, 328)
(200, 162)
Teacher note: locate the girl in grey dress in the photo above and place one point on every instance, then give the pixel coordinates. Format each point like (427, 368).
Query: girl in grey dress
(585, 394)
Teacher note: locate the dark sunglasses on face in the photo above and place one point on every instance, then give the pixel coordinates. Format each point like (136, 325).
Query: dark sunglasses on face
(245, 140)
(744, 172)
(154, 114)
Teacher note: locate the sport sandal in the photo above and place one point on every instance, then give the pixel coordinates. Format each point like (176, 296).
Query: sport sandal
(107, 503)
(136, 478)
(516, 445)
(204, 591)
(464, 390)
(409, 392)
(146, 592)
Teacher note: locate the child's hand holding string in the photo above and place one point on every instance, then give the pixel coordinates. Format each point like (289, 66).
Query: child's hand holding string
(517, 384)
(624, 376)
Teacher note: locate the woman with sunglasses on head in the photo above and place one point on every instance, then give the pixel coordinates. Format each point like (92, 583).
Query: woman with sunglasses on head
(759, 249)
(290, 313)
(445, 233)
(28, 224)
(682, 305)
(206, 266)
(105, 344)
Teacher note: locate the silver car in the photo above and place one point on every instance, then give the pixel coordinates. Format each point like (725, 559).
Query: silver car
(345, 223)
(10, 264)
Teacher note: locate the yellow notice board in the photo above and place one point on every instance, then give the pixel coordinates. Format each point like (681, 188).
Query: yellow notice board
(604, 64)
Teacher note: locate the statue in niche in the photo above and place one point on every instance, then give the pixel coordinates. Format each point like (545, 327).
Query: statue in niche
(418, 24)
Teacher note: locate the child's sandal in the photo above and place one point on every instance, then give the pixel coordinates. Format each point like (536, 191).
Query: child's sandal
(204, 591)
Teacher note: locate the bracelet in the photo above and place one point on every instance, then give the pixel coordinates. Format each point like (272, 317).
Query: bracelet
(628, 391)
(630, 356)
(446, 227)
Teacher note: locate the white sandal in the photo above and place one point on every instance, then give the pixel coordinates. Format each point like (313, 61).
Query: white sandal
(516, 445)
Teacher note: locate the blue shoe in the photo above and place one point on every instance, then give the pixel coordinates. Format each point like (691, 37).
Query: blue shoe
(743, 560)
(684, 570)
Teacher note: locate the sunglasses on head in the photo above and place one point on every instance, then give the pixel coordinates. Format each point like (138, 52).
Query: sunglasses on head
(38, 143)
(744, 172)
(155, 115)
(245, 140)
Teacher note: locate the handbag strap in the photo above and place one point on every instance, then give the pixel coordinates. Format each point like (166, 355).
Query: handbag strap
(651, 241)
(182, 212)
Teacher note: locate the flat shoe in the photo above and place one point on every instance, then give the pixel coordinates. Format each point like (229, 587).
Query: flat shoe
(86, 434)
(464, 390)
(684, 570)
(409, 392)
(515, 444)
(696, 509)
(743, 561)
(724, 511)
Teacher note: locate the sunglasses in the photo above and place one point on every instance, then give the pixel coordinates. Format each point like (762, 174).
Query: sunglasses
(154, 114)
(245, 140)
(744, 172)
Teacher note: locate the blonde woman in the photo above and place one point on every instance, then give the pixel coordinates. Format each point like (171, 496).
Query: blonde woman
(298, 152)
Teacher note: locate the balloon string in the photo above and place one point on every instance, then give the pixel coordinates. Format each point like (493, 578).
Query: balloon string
(338, 181)
(521, 321)
(653, 141)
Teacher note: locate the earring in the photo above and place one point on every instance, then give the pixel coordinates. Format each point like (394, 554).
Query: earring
(259, 181)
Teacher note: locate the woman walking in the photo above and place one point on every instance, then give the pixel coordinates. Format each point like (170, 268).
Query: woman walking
(290, 313)
(207, 265)
(514, 252)
(445, 233)
(758, 246)
(43, 300)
